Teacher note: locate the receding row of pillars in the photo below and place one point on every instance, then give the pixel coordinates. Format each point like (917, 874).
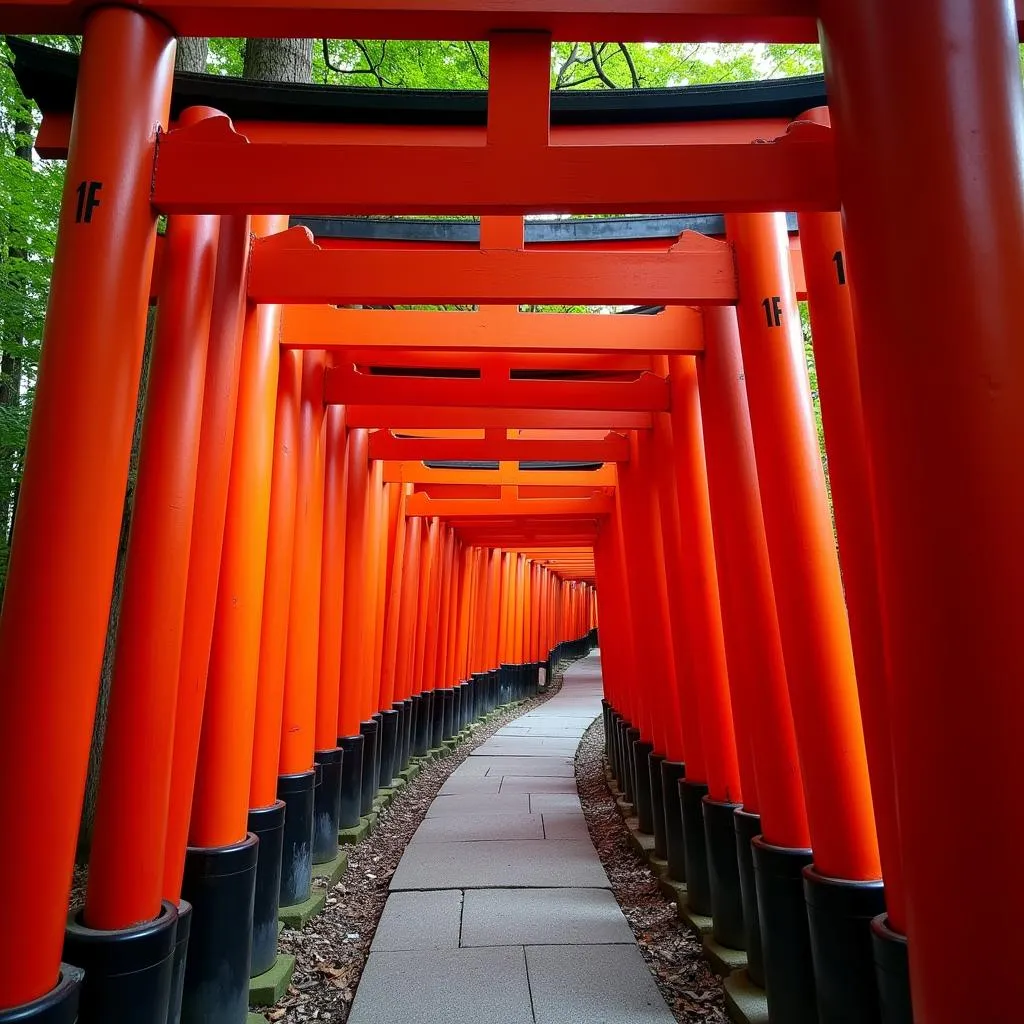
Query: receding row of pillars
(880, 736)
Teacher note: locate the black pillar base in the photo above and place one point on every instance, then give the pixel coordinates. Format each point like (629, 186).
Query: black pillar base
(632, 736)
(220, 884)
(58, 1006)
(418, 706)
(437, 720)
(672, 775)
(456, 710)
(839, 913)
(423, 723)
(655, 762)
(448, 704)
(351, 780)
(746, 824)
(327, 805)
(408, 723)
(606, 715)
(267, 824)
(785, 937)
(626, 774)
(127, 972)
(724, 873)
(297, 843)
(388, 748)
(698, 882)
(642, 751)
(181, 933)
(474, 698)
(495, 675)
(892, 972)
(614, 761)
(370, 730)
(467, 703)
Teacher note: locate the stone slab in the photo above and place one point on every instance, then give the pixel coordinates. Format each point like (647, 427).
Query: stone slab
(531, 917)
(478, 785)
(550, 767)
(526, 746)
(266, 988)
(332, 870)
(419, 920)
(745, 1002)
(525, 863)
(541, 803)
(462, 986)
(302, 913)
(479, 803)
(535, 784)
(594, 985)
(565, 825)
(480, 827)
(255, 1018)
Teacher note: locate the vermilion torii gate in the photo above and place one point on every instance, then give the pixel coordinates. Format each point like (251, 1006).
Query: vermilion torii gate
(267, 622)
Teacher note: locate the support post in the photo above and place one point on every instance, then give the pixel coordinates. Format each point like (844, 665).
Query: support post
(76, 459)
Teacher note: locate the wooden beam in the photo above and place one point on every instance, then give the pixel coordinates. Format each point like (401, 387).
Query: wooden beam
(678, 330)
(385, 445)
(692, 21)
(208, 168)
(344, 386)
(290, 268)
(441, 416)
(509, 474)
(419, 504)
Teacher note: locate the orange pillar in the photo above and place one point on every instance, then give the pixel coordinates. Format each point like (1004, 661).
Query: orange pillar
(393, 666)
(356, 621)
(214, 816)
(210, 516)
(812, 615)
(332, 579)
(835, 356)
(134, 792)
(76, 460)
(277, 586)
(937, 304)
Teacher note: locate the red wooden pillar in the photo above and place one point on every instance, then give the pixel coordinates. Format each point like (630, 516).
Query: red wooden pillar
(757, 673)
(273, 651)
(213, 812)
(835, 356)
(77, 459)
(376, 585)
(356, 621)
(134, 794)
(812, 614)
(937, 298)
(329, 754)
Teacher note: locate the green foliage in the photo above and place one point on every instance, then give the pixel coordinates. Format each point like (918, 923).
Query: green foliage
(30, 191)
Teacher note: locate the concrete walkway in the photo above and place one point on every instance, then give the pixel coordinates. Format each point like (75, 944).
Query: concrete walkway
(500, 911)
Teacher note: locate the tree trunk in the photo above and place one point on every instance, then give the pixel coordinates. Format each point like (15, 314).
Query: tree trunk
(191, 55)
(278, 60)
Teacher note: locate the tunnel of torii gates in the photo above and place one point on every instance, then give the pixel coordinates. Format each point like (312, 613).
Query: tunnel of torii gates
(323, 576)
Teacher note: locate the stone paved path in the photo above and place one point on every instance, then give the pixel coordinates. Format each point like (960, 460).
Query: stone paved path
(500, 911)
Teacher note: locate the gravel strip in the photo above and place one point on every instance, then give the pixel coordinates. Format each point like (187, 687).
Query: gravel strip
(331, 951)
(693, 992)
